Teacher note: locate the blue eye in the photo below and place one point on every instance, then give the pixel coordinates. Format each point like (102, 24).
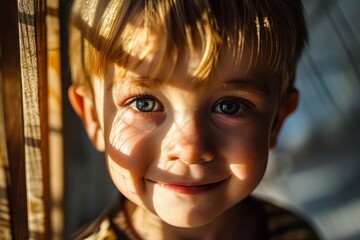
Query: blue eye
(231, 106)
(146, 104)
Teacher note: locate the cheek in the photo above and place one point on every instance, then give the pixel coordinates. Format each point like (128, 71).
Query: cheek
(128, 132)
(124, 179)
(129, 150)
(246, 152)
(250, 168)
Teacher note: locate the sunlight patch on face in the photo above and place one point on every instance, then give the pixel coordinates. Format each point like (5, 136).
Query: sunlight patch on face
(122, 177)
(128, 130)
(122, 127)
(165, 165)
(240, 171)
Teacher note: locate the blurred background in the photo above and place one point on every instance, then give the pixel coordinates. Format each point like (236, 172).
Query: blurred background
(315, 167)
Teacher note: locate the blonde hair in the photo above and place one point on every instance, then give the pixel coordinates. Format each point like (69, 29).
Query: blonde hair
(272, 29)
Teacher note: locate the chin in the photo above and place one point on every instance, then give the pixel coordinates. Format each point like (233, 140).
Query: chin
(187, 218)
(186, 222)
(187, 210)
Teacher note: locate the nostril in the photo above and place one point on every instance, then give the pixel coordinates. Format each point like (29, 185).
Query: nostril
(208, 156)
(189, 154)
(188, 144)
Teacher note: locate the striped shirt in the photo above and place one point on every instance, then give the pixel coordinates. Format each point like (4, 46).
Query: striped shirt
(281, 224)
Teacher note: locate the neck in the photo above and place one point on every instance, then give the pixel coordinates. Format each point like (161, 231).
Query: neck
(239, 222)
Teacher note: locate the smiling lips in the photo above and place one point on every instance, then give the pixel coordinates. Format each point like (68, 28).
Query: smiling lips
(188, 189)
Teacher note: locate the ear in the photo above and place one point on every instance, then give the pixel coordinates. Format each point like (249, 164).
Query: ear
(285, 109)
(84, 106)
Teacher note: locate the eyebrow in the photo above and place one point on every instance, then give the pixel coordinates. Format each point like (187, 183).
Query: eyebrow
(242, 84)
(249, 85)
(136, 81)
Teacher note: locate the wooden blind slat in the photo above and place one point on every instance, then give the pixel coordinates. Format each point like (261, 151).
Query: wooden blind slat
(13, 124)
(5, 218)
(32, 62)
(55, 119)
(25, 197)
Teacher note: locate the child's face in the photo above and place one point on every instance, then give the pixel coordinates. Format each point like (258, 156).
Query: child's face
(186, 152)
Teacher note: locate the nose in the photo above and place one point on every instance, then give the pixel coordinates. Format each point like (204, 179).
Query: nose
(189, 141)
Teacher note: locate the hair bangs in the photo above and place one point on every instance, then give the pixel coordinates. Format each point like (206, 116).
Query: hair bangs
(270, 33)
(273, 33)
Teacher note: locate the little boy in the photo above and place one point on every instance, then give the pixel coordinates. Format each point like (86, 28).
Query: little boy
(185, 98)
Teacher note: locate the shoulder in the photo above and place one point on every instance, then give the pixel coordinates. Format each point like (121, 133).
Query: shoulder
(98, 230)
(283, 224)
(104, 227)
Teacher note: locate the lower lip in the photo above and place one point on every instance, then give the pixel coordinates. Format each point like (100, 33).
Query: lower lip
(190, 189)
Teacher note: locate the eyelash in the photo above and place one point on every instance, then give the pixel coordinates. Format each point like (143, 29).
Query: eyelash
(249, 106)
(143, 96)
